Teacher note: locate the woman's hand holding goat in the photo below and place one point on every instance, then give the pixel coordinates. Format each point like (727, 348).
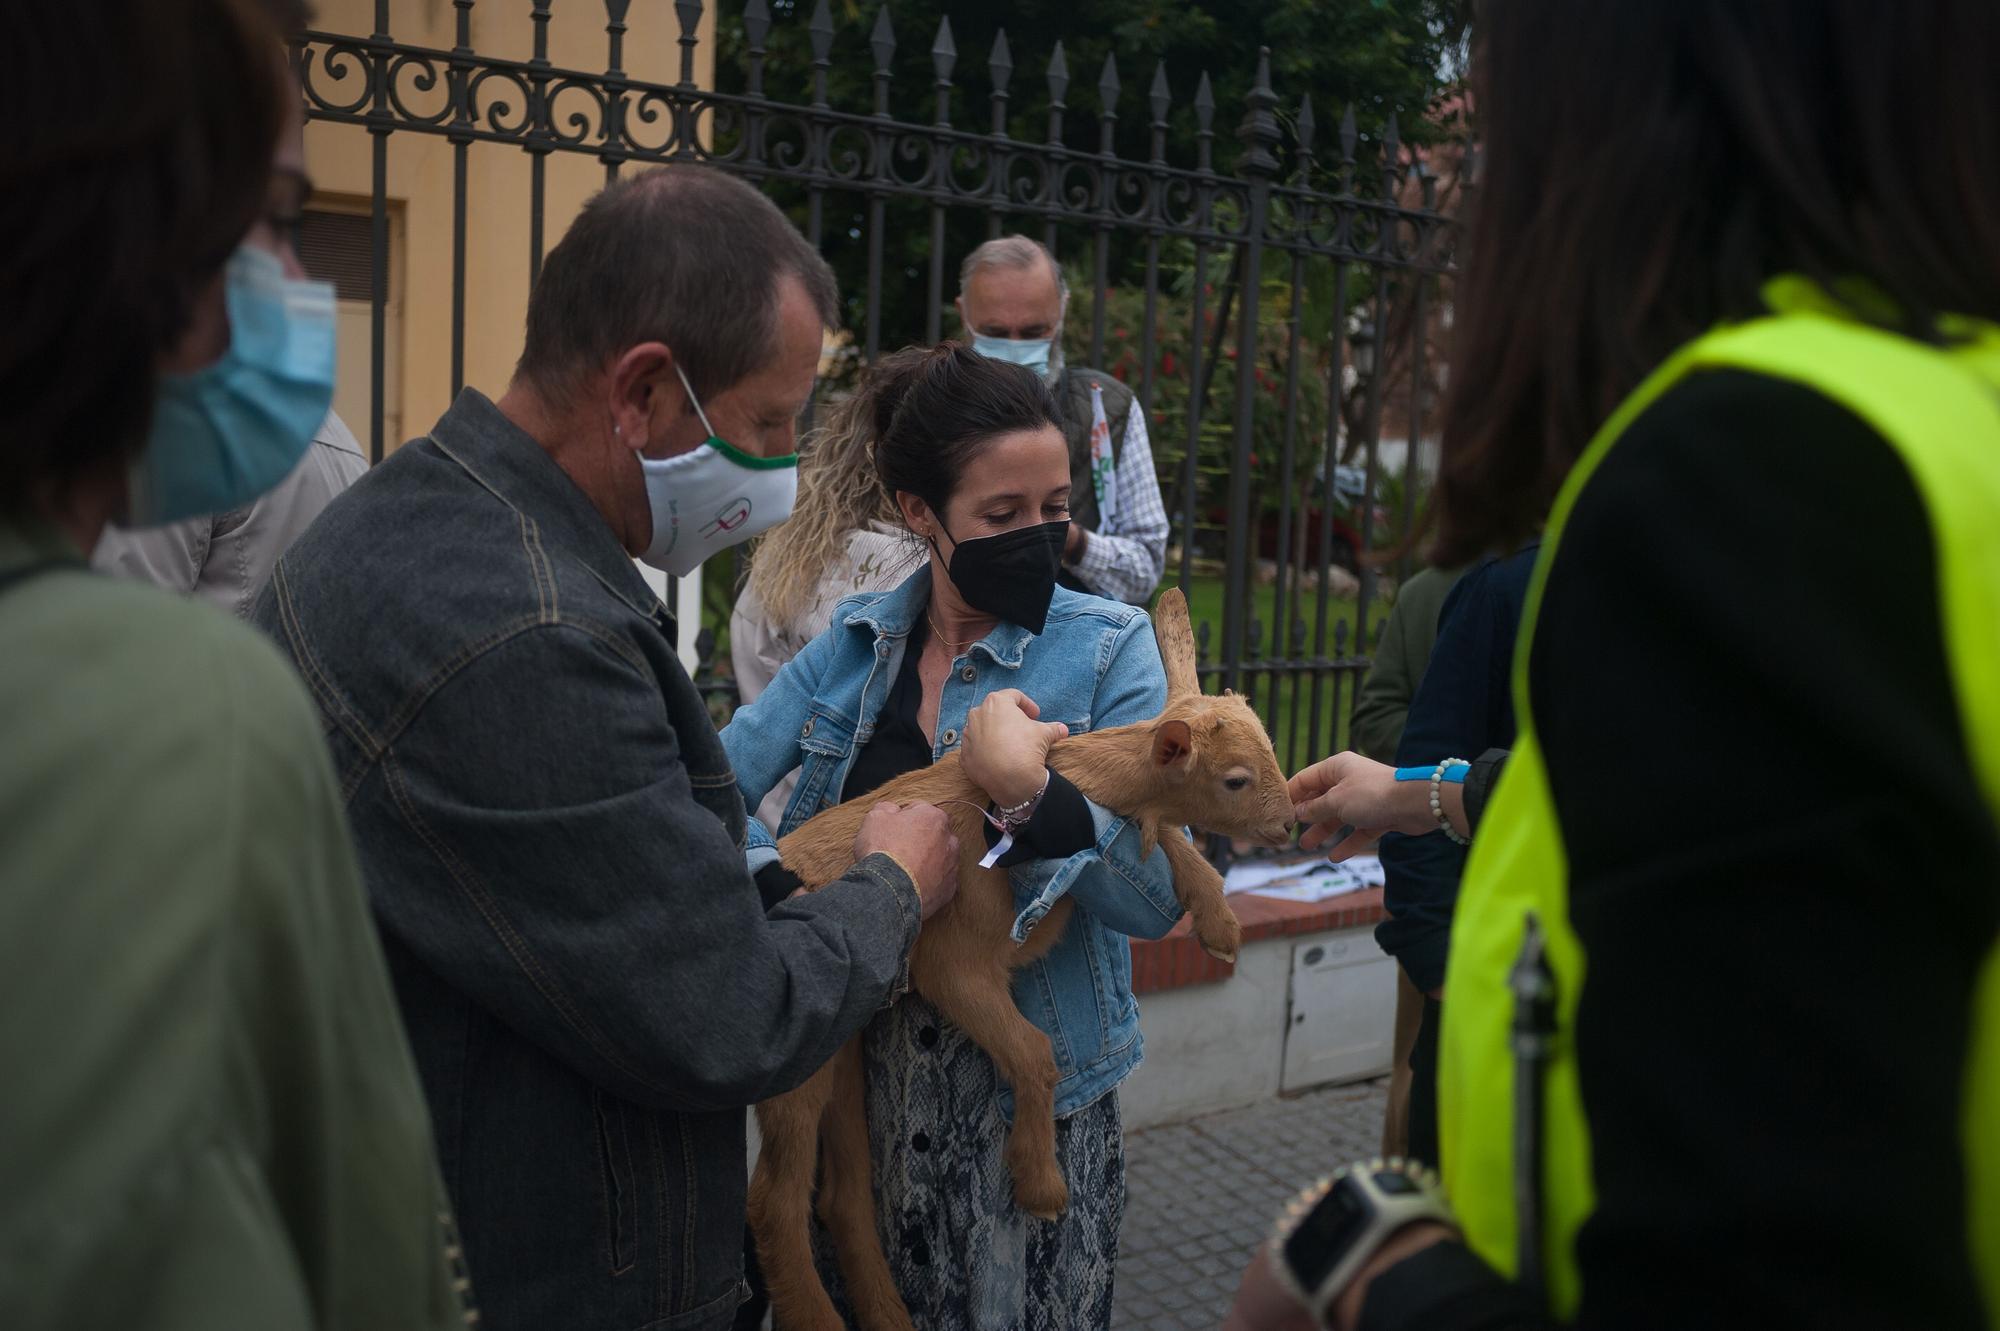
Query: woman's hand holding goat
(1006, 749)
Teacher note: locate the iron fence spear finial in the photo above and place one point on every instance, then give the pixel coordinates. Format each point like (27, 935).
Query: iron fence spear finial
(1259, 130)
(1000, 68)
(883, 43)
(1204, 122)
(820, 30)
(690, 16)
(944, 54)
(756, 27)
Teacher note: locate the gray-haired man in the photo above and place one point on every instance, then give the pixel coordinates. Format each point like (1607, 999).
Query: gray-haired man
(1012, 296)
(549, 827)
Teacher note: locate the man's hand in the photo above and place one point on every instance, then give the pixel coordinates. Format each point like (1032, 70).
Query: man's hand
(921, 840)
(1006, 750)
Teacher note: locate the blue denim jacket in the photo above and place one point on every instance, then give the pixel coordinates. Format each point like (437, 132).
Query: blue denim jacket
(1095, 664)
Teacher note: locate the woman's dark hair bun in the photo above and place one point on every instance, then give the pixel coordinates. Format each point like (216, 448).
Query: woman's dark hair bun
(895, 375)
(935, 408)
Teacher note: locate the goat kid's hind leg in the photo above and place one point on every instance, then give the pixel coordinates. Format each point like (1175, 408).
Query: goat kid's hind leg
(980, 1002)
(781, 1205)
(847, 1199)
(1199, 889)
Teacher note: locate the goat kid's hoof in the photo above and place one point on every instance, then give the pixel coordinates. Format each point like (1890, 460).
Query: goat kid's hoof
(1041, 1200)
(1221, 939)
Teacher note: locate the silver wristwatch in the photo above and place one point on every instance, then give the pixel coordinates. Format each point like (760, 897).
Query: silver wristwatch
(1331, 1230)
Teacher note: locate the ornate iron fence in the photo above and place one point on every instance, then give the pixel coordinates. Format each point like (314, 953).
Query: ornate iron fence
(1295, 216)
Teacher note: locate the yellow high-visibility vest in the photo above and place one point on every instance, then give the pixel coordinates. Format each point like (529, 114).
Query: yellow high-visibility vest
(1939, 408)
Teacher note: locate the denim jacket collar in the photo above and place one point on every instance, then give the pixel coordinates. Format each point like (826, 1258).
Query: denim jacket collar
(505, 459)
(894, 613)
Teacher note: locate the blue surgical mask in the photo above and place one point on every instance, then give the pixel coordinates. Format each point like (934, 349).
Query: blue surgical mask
(226, 433)
(1031, 352)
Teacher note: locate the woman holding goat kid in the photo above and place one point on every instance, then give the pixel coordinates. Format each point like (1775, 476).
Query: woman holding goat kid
(980, 651)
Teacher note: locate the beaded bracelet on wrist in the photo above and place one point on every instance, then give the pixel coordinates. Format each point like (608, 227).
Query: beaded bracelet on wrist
(1015, 815)
(1437, 799)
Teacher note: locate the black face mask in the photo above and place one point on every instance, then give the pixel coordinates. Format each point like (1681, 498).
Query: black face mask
(1012, 575)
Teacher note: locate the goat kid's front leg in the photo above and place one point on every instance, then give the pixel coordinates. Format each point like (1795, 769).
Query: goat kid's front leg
(1199, 889)
(780, 1209)
(847, 1199)
(979, 1001)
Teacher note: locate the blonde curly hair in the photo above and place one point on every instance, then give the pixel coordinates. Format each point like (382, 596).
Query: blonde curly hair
(839, 492)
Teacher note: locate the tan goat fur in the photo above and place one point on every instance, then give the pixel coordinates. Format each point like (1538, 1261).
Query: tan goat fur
(1204, 761)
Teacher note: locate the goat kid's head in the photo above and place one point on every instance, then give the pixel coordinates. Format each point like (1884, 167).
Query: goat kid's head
(1215, 761)
(1219, 773)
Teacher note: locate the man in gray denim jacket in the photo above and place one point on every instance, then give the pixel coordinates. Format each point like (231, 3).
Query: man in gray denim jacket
(549, 827)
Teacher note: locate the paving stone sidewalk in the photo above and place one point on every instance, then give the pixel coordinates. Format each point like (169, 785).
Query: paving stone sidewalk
(1202, 1194)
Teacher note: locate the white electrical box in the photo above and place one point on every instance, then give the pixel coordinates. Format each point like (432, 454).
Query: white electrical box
(1343, 1012)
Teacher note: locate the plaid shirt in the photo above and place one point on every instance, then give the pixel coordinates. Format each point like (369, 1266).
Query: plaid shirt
(1125, 558)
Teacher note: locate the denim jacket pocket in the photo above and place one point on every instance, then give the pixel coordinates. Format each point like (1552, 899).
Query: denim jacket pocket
(826, 739)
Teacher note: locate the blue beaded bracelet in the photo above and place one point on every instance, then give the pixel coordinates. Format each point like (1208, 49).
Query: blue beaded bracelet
(1454, 772)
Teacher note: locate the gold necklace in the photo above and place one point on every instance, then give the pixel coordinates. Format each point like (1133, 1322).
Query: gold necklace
(953, 647)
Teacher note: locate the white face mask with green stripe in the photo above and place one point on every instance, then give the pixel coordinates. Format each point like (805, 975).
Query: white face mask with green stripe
(712, 497)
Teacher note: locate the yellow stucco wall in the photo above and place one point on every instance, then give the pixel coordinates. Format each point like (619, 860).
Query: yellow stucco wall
(498, 190)
(497, 197)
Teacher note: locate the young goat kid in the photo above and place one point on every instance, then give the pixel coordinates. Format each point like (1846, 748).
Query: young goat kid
(1203, 761)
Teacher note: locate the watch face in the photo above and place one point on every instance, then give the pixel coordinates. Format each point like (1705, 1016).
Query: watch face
(1329, 1229)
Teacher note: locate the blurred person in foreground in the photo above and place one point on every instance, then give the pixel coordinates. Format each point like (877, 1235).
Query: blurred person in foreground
(211, 1119)
(1723, 1040)
(549, 827)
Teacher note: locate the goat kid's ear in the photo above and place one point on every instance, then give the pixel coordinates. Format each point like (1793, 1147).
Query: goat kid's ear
(1176, 638)
(1173, 744)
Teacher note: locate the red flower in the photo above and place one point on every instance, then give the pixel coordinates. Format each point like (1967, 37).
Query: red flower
(1167, 363)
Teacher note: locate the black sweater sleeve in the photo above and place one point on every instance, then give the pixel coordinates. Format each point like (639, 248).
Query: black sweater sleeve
(1787, 892)
(1060, 827)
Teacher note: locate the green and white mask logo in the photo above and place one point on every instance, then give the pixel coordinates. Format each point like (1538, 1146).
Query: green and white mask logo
(712, 497)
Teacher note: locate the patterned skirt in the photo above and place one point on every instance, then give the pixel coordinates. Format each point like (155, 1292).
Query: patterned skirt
(964, 1256)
